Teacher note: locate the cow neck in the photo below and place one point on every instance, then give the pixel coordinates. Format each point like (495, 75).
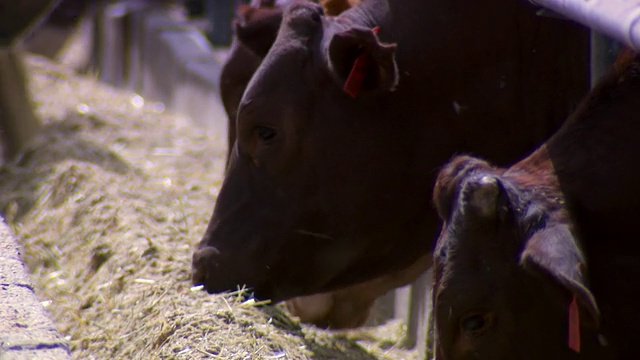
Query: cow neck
(582, 115)
(536, 173)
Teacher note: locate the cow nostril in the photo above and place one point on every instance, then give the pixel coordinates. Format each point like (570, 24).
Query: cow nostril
(203, 259)
(198, 276)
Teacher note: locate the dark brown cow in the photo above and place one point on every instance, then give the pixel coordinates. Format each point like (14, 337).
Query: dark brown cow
(345, 308)
(325, 189)
(540, 261)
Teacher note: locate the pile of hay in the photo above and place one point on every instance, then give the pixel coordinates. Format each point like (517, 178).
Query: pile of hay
(109, 202)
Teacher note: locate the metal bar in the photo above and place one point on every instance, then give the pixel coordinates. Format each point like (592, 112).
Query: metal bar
(619, 19)
(603, 54)
(220, 14)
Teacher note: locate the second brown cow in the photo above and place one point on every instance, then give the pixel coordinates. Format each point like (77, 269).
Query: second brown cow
(540, 260)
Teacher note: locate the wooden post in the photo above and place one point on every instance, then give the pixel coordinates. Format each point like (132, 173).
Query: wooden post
(18, 121)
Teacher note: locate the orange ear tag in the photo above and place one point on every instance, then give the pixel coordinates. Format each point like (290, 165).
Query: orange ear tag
(356, 76)
(574, 326)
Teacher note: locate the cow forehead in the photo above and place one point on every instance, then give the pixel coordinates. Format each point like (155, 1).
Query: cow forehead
(301, 19)
(465, 241)
(280, 74)
(286, 63)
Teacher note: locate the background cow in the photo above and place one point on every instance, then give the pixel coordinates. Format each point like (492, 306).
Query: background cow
(540, 261)
(326, 189)
(255, 28)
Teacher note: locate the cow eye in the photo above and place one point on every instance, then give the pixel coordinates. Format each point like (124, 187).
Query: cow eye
(476, 324)
(266, 133)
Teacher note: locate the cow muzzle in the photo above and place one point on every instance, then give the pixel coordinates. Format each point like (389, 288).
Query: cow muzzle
(203, 265)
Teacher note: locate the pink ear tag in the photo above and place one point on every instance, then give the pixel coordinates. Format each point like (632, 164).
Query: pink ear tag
(354, 81)
(574, 326)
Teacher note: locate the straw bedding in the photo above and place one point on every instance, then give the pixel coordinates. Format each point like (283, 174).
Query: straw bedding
(109, 202)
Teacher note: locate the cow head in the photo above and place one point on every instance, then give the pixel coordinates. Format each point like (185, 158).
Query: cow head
(508, 266)
(306, 205)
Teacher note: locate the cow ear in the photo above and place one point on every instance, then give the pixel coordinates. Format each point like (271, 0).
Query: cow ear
(361, 63)
(554, 251)
(257, 28)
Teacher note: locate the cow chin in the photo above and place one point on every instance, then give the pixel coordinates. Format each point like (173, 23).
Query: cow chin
(261, 267)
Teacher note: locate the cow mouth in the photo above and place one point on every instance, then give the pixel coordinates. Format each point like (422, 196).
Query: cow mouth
(201, 261)
(210, 271)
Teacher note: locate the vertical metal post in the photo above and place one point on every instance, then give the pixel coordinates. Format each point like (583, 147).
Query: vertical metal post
(417, 318)
(603, 53)
(220, 14)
